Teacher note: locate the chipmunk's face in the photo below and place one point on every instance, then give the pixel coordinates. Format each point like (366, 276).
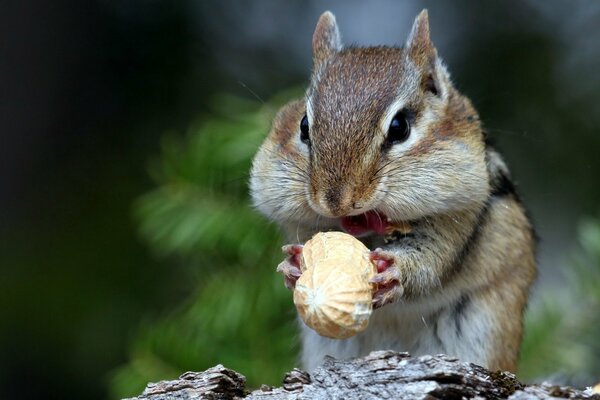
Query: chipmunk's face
(381, 131)
(360, 112)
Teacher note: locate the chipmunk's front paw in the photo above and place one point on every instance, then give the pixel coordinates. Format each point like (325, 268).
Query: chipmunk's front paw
(290, 267)
(387, 278)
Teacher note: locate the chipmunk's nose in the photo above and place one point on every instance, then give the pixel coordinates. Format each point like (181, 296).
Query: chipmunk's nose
(338, 202)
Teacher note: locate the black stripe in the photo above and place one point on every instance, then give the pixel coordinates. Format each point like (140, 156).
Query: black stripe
(471, 241)
(503, 186)
(459, 311)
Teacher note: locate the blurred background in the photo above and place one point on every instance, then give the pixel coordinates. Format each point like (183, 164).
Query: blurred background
(128, 250)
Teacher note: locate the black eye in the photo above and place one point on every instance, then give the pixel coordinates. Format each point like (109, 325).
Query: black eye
(399, 129)
(304, 130)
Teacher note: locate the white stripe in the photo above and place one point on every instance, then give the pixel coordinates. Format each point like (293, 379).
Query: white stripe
(309, 111)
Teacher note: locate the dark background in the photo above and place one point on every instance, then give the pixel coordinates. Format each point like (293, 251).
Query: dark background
(87, 89)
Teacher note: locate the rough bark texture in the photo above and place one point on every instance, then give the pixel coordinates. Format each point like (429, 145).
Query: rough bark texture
(380, 375)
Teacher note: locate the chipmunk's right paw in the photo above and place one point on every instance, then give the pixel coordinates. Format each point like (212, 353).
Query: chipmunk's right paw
(290, 267)
(387, 279)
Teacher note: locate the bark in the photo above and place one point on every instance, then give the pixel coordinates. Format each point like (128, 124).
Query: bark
(380, 375)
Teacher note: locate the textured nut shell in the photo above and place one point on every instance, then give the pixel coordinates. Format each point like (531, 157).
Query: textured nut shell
(333, 295)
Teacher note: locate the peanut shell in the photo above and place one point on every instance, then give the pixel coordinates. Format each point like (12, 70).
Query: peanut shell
(333, 295)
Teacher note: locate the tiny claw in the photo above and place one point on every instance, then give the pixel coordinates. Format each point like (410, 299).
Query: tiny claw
(290, 272)
(290, 267)
(381, 259)
(387, 278)
(387, 295)
(390, 275)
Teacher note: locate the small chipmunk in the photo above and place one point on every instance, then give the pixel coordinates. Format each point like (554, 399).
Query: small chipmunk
(383, 146)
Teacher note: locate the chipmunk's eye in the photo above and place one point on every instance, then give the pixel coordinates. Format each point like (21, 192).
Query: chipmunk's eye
(399, 129)
(304, 130)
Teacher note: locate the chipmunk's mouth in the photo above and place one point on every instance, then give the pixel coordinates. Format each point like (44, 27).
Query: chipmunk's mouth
(371, 221)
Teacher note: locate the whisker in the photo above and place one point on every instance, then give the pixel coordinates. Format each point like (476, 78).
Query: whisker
(251, 91)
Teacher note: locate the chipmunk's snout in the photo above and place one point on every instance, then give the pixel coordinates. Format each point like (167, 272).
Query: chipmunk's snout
(340, 185)
(338, 202)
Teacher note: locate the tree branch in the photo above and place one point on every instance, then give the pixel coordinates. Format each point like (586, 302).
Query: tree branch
(381, 374)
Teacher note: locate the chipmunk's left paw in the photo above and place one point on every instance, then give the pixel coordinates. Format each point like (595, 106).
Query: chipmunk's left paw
(290, 267)
(387, 278)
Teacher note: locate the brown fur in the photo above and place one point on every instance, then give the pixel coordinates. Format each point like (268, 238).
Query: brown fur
(285, 126)
(465, 268)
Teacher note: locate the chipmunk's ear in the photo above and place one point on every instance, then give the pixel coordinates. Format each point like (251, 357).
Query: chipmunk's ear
(419, 45)
(420, 49)
(326, 39)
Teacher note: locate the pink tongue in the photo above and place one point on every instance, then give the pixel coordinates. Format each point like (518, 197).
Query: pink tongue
(359, 224)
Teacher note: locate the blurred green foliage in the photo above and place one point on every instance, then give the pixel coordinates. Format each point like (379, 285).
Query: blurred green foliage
(562, 330)
(241, 315)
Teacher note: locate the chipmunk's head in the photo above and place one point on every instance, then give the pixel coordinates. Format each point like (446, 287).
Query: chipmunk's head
(381, 129)
(386, 122)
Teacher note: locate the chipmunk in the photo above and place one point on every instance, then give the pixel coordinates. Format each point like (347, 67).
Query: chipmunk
(383, 137)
